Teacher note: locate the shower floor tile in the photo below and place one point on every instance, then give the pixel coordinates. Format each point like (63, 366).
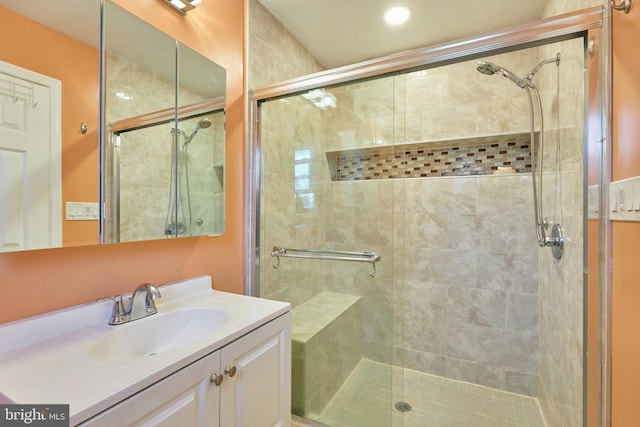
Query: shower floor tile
(364, 401)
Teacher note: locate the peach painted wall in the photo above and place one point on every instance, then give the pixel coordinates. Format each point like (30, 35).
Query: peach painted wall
(625, 346)
(34, 282)
(77, 66)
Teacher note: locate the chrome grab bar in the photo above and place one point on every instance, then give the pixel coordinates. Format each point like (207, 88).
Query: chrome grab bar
(329, 255)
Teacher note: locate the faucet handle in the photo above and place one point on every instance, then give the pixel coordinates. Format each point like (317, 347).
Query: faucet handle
(118, 314)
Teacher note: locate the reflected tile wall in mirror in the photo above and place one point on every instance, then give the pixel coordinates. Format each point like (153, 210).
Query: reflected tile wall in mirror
(145, 198)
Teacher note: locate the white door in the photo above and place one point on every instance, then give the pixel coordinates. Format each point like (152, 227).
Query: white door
(30, 175)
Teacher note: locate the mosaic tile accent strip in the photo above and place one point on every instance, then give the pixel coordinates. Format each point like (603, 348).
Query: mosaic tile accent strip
(473, 156)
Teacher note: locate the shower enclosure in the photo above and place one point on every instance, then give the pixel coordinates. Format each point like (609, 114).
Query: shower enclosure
(465, 318)
(165, 180)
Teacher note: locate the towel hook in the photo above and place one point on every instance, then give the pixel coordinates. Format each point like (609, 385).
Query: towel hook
(625, 5)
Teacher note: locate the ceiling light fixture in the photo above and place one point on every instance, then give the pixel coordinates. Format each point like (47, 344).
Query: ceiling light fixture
(183, 5)
(321, 98)
(397, 15)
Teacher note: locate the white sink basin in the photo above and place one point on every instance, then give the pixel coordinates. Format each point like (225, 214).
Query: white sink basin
(74, 356)
(158, 333)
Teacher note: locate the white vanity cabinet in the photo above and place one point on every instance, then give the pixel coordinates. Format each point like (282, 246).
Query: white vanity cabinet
(245, 383)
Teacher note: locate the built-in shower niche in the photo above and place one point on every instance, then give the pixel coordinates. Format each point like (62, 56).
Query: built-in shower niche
(481, 155)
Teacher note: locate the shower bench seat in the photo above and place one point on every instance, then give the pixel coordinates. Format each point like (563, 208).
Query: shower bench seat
(326, 335)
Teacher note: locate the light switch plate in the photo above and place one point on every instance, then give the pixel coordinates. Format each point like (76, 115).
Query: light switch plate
(624, 200)
(81, 211)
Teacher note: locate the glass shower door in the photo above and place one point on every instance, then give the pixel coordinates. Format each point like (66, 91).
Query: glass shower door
(467, 317)
(342, 328)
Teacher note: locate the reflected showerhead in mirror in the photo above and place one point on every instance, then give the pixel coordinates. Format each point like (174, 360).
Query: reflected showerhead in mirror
(202, 124)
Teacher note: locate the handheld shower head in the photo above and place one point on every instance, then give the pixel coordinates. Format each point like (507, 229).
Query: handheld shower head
(489, 68)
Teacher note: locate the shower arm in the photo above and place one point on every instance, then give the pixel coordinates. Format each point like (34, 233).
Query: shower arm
(535, 69)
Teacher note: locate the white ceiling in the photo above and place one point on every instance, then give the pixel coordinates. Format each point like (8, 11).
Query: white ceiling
(336, 32)
(340, 32)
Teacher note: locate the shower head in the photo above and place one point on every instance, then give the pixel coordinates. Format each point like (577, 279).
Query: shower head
(489, 68)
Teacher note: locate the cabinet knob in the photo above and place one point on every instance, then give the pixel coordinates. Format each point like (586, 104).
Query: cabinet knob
(216, 379)
(231, 371)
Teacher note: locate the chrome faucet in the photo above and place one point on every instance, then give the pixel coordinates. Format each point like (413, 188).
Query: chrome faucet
(141, 304)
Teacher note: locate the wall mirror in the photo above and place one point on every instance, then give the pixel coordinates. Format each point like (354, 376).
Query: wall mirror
(49, 122)
(164, 145)
(49, 83)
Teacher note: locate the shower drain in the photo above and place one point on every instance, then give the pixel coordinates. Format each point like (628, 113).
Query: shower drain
(402, 406)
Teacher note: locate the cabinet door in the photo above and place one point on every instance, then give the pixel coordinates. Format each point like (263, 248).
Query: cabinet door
(259, 394)
(186, 398)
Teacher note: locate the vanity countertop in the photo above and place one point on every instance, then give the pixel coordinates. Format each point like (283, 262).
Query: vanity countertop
(52, 358)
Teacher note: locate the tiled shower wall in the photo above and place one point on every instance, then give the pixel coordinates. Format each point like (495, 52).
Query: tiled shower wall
(561, 281)
(145, 171)
(466, 248)
(463, 265)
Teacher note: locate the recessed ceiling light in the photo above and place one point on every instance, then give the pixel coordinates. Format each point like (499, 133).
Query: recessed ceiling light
(397, 15)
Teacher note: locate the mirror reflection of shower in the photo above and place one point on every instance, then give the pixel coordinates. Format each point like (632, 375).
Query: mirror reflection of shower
(556, 241)
(179, 216)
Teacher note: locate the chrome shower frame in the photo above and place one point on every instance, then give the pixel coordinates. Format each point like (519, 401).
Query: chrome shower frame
(590, 24)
